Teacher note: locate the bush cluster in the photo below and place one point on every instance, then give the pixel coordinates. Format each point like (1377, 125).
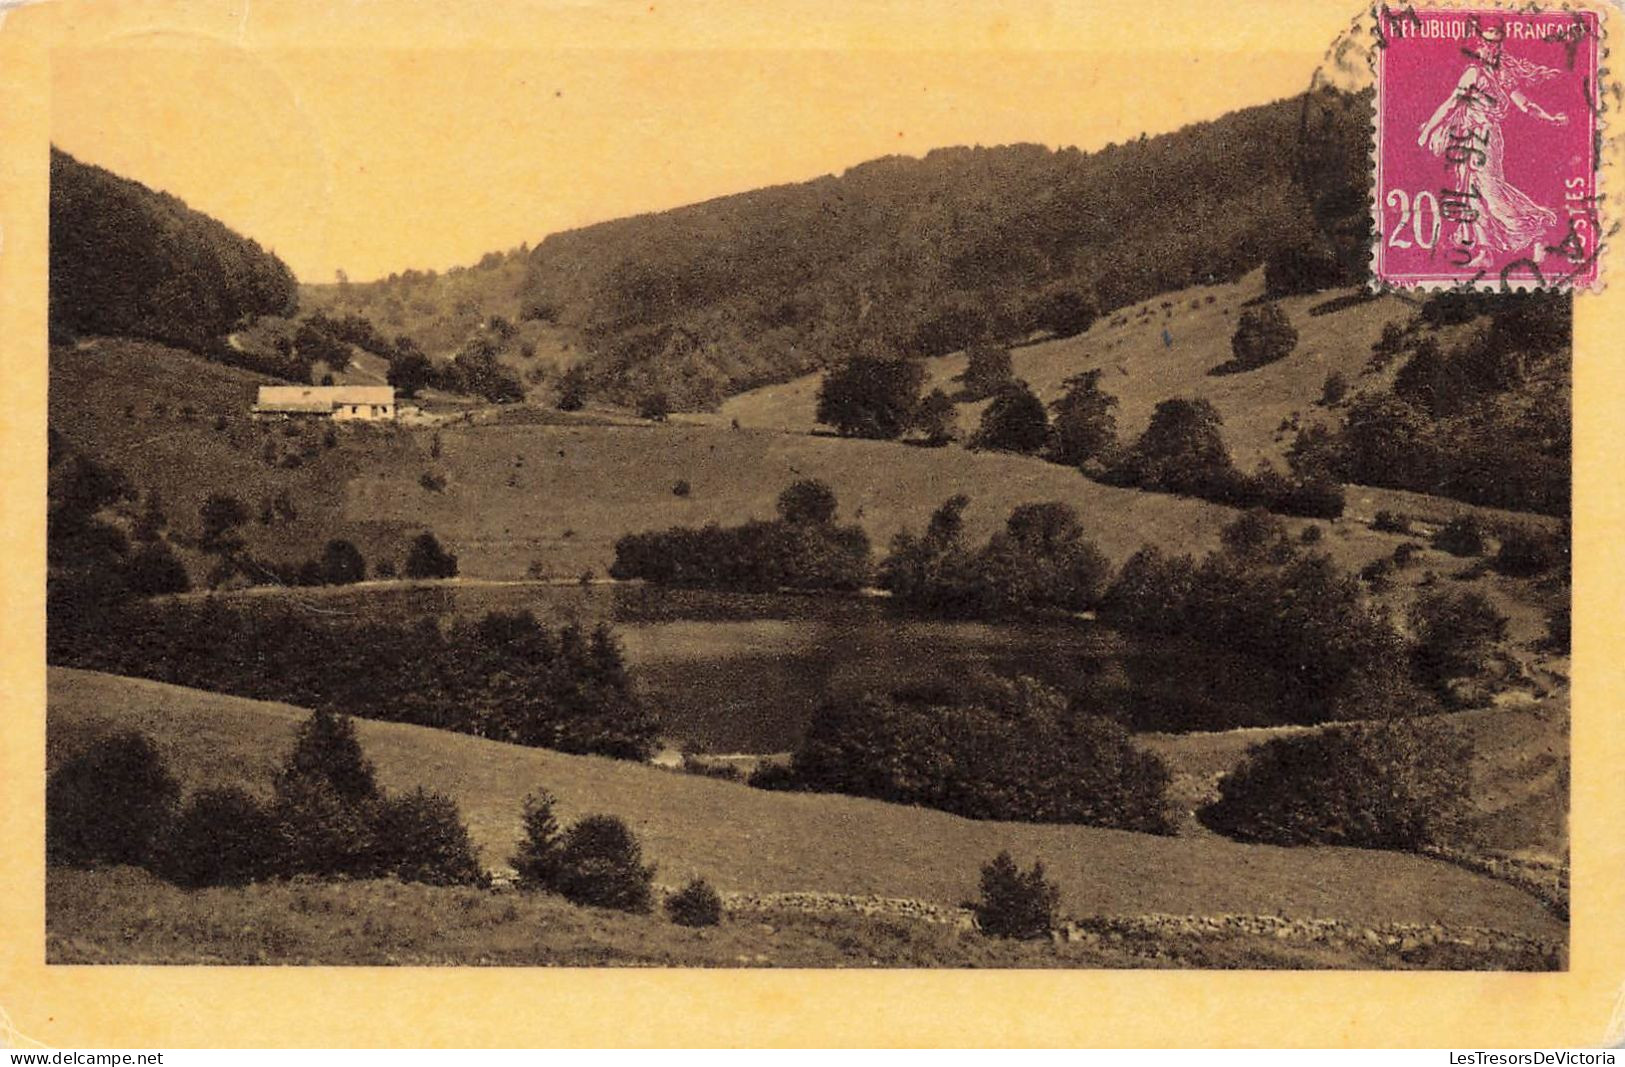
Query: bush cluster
(91, 558)
(1462, 536)
(1263, 335)
(1452, 632)
(1294, 613)
(223, 836)
(426, 559)
(476, 370)
(1039, 562)
(596, 862)
(1183, 451)
(1527, 553)
(340, 563)
(871, 397)
(328, 818)
(109, 804)
(1390, 522)
(988, 371)
(1395, 785)
(1014, 751)
(803, 549)
(1483, 417)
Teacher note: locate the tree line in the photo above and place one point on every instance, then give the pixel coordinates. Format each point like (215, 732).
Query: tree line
(1293, 614)
(504, 676)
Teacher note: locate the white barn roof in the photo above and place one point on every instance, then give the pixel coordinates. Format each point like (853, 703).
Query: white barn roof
(316, 398)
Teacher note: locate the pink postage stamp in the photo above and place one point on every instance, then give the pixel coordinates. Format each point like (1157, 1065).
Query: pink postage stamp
(1486, 149)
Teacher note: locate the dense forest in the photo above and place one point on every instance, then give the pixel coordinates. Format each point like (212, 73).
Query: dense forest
(129, 261)
(904, 256)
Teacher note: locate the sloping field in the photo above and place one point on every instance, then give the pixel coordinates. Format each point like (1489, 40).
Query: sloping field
(516, 494)
(181, 425)
(748, 840)
(1518, 799)
(561, 496)
(558, 491)
(1162, 348)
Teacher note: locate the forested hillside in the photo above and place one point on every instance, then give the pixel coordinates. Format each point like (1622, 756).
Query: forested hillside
(438, 310)
(921, 256)
(129, 261)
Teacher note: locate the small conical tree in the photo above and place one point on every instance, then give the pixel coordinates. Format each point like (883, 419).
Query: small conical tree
(1014, 903)
(328, 751)
(696, 905)
(537, 861)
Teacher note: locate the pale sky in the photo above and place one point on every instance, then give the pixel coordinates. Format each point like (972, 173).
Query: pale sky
(372, 154)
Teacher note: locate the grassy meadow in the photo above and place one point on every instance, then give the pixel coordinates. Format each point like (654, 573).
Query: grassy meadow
(1141, 366)
(742, 839)
(124, 915)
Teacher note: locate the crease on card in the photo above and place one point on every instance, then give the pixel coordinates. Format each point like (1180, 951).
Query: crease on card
(10, 1036)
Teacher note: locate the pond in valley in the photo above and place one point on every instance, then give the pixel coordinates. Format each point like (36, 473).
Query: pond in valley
(734, 672)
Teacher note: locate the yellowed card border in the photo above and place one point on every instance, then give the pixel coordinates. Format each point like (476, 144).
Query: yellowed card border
(184, 1006)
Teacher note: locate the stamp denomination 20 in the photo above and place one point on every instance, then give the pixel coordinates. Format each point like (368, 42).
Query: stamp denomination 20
(1486, 149)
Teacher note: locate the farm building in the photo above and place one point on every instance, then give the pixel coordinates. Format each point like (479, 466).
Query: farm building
(338, 402)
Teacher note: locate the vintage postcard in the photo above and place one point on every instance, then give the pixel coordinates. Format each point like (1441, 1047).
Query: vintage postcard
(508, 496)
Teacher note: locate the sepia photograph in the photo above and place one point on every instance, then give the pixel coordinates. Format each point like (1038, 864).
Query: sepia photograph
(664, 498)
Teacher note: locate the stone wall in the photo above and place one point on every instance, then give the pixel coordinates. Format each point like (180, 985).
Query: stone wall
(1546, 882)
(1121, 929)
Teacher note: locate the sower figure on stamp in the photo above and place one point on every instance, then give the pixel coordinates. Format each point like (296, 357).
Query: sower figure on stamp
(1466, 131)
